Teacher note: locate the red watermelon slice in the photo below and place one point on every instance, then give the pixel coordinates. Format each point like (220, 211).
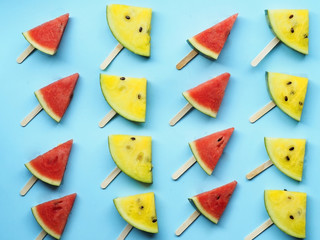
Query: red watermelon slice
(52, 216)
(207, 150)
(55, 98)
(213, 203)
(211, 41)
(50, 166)
(207, 97)
(47, 36)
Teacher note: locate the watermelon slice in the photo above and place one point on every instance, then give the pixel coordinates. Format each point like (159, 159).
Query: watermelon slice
(50, 166)
(207, 150)
(211, 41)
(47, 36)
(52, 216)
(55, 98)
(213, 203)
(207, 97)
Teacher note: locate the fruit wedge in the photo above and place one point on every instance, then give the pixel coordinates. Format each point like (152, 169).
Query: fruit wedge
(131, 26)
(287, 210)
(132, 154)
(287, 92)
(139, 211)
(287, 155)
(291, 27)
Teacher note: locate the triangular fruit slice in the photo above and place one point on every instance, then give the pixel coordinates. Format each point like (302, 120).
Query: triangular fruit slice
(47, 36)
(132, 154)
(288, 92)
(139, 211)
(291, 27)
(131, 27)
(287, 211)
(127, 96)
(207, 97)
(287, 155)
(52, 216)
(211, 41)
(55, 98)
(213, 203)
(207, 150)
(50, 166)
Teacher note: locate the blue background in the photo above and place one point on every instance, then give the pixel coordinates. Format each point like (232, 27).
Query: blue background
(85, 44)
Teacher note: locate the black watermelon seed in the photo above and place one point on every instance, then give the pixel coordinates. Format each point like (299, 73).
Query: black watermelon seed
(218, 197)
(139, 96)
(154, 220)
(140, 29)
(285, 190)
(286, 98)
(287, 157)
(305, 36)
(219, 139)
(292, 30)
(288, 83)
(133, 138)
(291, 217)
(291, 16)
(127, 17)
(300, 103)
(122, 78)
(141, 207)
(291, 149)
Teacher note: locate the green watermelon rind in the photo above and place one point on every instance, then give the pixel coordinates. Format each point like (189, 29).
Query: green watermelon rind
(199, 107)
(199, 159)
(202, 49)
(45, 107)
(195, 202)
(41, 177)
(36, 45)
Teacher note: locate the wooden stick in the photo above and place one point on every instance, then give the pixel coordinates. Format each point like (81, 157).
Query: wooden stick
(111, 56)
(28, 185)
(41, 235)
(187, 222)
(107, 118)
(262, 112)
(180, 114)
(188, 164)
(259, 169)
(110, 178)
(259, 230)
(31, 115)
(125, 232)
(265, 51)
(186, 59)
(25, 54)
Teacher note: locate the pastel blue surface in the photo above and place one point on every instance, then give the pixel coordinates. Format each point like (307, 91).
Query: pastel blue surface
(85, 44)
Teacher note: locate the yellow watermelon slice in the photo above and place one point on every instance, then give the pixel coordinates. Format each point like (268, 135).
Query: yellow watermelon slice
(132, 154)
(127, 96)
(291, 27)
(287, 211)
(131, 26)
(287, 155)
(287, 92)
(139, 211)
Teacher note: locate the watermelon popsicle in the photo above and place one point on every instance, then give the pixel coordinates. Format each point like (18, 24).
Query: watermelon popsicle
(131, 27)
(206, 97)
(287, 210)
(210, 204)
(45, 37)
(54, 98)
(286, 154)
(210, 42)
(287, 92)
(289, 26)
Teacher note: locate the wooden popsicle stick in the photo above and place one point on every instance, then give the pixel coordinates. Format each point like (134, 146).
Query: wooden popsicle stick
(186, 59)
(259, 169)
(41, 235)
(265, 51)
(107, 118)
(125, 232)
(188, 164)
(111, 56)
(180, 114)
(25, 54)
(115, 172)
(187, 223)
(264, 226)
(262, 112)
(31, 115)
(28, 185)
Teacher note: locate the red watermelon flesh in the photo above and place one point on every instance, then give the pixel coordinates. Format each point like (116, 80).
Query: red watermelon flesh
(211, 41)
(213, 203)
(47, 36)
(55, 98)
(208, 150)
(53, 215)
(50, 166)
(207, 97)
